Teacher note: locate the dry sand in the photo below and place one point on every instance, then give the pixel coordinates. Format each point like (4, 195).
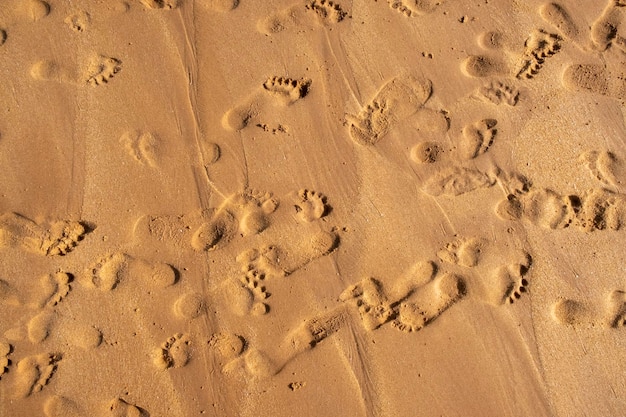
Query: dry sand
(312, 208)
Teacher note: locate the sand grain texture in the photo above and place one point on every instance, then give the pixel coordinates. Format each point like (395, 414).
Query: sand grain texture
(312, 208)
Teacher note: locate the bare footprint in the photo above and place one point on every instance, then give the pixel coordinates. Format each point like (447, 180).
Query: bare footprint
(606, 167)
(110, 270)
(170, 229)
(78, 21)
(53, 288)
(189, 306)
(246, 213)
(282, 90)
(120, 408)
(160, 4)
(36, 9)
(539, 46)
(429, 302)
(604, 30)
(595, 78)
(283, 260)
(57, 406)
(507, 283)
(373, 305)
(99, 70)
(498, 92)
(310, 205)
(398, 99)
(33, 373)
(611, 313)
(175, 352)
(465, 252)
(414, 7)
(476, 139)
(556, 15)
(307, 14)
(457, 180)
(39, 326)
(142, 146)
(52, 238)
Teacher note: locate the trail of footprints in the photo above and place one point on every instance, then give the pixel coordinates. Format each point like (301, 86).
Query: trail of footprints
(467, 268)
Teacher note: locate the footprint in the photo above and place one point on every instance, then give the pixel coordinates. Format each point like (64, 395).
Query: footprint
(303, 15)
(5, 362)
(498, 92)
(414, 7)
(246, 213)
(142, 146)
(371, 301)
(33, 373)
(507, 283)
(280, 261)
(310, 205)
(84, 336)
(457, 180)
(606, 167)
(189, 306)
(539, 46)
(78, 21)
(465, 252)
(57, 406)
(556, 15)
(171, 229)
(37, 9)
(39, 326)
(52, 238)
(283, 90)
(159, 4)
(596, 79)
(398, 99)
(220, 5)
(429, 302)
(110, 270)
(101, 69)
(120, 408)
(173, 353)
(312, 331)
(482, 66)
(259, 364)
(595, 209)
(476, 139)
(604, 30)
(228, 346)
(288, 90)
(53, 288)
(581, 314)
(427, 152)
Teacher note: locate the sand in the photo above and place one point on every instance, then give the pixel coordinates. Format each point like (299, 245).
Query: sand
(312, 208)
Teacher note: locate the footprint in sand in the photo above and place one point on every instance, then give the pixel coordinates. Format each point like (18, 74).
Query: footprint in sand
(53, 288)
(36, 9)
(557, 15)
(414, 8)
(283, 91)
(606, 166)
(48, 238)
(142, 146)
(5, 351)
(97, 71)
(595, 209)
(160, 4)
(227, 348)
(58, 406)
(244, 213)
(610, 313)
(40, 325)
(175, 230)
(78, 21)
(109, 271)
(309, 205)
(498, 92)
(189, 306)
(246, 295)
(495, 273)
(175, 352)
(33, 373)
(398, 99)
(120, 408)
(537, 48)
(304, 15)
